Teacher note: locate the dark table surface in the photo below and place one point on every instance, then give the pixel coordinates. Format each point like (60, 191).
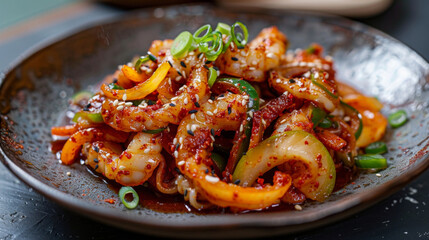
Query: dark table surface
(25, 214)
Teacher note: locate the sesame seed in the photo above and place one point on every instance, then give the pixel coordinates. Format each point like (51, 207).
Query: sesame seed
(192, 116)
(197, 104)
(263, 122)
(184, 74)
(172, 105)
(209, 113)
(270, 55)
(177, 146)
(278, 80)
(291, 81)
(121, 103)
(115, 102)
(181, 163)
(151, 161)
(243, 53)
(298, 207)
(234, 59)
(252, 68)
(210, 101)
(128, 104)
(190, 132)
(174, 140)
(188, 127)
(120, 108)
(251, 113)
(124, 97)
(229, 110)
(147, 150)
(236, 182)
(215, 111)
(347, 118)
(177, 78)
(241, 127)
(243, 102)
(316, 75)
(197, 97)
(176, 154)
(169, 81)
(254, 63)
(212, 179)
(232, 45)
(378, 174)
(193, 111)
(212, 131)
(179, 72)
(68, 173)
(185, 101)
(307, 74)
(194, 127)
(181, 140)
(171, 65)
(122, 167)
(183, 64)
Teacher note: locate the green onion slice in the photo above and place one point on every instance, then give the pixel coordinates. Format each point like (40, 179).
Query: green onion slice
(197, 33)
(115, 86)
(155, 131)
(397, 119)
(181, 44)
(317, 116)
(219, 161)
(376, 148)
(242, 40)
(212, 76)
(127, 190)
(140, 61)
(371, 161)
(223, 28)
(212, 45)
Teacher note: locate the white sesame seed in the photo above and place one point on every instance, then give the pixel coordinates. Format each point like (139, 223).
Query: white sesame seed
(174, 141)
(193, 116)
(252, 68)
(128, 104)
(298, 207)
(210, 101)
(251, 113)
(181, 163)
(270, 55)
(197, 97)
(181, 140)
(120, 108)
(169, 81)
(246, 97)
(316, 75)
(254, 63)
(115, 102)
(176, 154)
(59, 161)
(212, 179)
(151, 161)
(177, 78)
(209, 113)
(124, 97)
(232, 45)
(243, 53)
(278, 80)
(68, 173)
(194, 127)
(263, 122)
(121, 103)
(307, 74)
(147, 150)
(188, 127)
(184, 74)
(243, 65)
(185, 101)
(122, 167)
(241, 127)
(191, 53)
(378, 174)
(243, 102)
(215, 111)
(347, 118)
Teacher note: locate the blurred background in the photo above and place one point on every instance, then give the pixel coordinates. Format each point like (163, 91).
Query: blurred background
(25, 24)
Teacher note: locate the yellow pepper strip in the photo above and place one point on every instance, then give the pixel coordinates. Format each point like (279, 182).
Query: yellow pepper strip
(230, 195)
(133, 75)
(141, 90)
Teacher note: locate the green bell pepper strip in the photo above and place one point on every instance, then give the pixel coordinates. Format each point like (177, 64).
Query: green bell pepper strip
(296, 148)
(376, 148)
(371, 161)
(154, 131)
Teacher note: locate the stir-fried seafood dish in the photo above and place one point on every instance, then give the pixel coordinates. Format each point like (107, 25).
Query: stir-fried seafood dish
(226, 123)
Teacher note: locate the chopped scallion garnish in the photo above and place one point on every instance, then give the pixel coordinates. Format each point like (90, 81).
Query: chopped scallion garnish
(212, 76)
(155, 131)
(207, 28)
(129, 190)
(223, 28)
(397, 119)
(240, 39)
(376, 148)
(371, 161)
(181, 44)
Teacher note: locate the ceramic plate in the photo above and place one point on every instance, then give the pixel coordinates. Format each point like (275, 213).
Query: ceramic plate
(35, 91)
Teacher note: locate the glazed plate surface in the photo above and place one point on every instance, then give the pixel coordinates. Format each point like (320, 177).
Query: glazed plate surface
(34, 96)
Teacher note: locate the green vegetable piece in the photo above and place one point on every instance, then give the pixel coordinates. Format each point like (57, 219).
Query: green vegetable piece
(219, 161)
(181, 44)
(137, 102)
(315, 82)
(212, 76)
(92, 117)
(223, 28)
(129, 190)
(212, 45)
(197, 33)
(376, 148)
(325, 123)
(397, 119)
(239, 41)
(316, 180)
(115, 86)
(371, 161)
(317, 116)
(140, 61)
(155, 131)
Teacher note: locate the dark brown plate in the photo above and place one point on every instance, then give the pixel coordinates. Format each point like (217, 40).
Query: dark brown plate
(34, 94)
